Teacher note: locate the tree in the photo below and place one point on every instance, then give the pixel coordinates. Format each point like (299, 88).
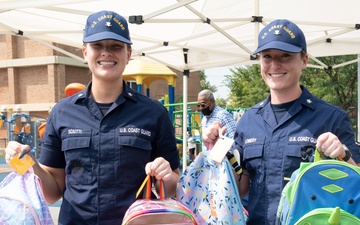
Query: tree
(221, 102)
(204, 84)
(337, 86)
(246, 86)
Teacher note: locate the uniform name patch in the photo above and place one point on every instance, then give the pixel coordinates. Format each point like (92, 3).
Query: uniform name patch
(302, 139)
(75, 131)
(250, 140)
(135, 130)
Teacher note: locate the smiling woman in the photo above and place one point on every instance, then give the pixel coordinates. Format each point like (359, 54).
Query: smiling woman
(109, 114)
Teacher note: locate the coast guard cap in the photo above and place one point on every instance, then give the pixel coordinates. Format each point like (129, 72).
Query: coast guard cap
(106, 25)
(282, 35)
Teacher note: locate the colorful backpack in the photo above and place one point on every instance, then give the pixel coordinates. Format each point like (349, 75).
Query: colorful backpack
(22, 201)
(321, 192)
(209, 190)
(163, 210)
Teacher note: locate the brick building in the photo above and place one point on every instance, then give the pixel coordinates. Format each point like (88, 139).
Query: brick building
(33, 78)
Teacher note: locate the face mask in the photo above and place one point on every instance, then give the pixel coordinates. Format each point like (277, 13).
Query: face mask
(206, 111)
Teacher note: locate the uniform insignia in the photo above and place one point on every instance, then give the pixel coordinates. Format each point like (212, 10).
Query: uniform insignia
(308, 101)
(277, 32)
(130, 94)
(108, 24)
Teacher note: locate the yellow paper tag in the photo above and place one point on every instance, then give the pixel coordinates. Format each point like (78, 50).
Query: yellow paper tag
(23, 164)
(221, 147)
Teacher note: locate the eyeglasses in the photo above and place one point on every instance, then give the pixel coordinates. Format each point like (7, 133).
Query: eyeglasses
(202, 105)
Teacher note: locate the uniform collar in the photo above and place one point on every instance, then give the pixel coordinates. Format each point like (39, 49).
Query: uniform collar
(306, 99)
(128, 93)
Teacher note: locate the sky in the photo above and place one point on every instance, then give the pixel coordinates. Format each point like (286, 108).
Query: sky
(216, 76)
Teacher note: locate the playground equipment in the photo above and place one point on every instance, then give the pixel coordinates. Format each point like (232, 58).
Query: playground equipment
(73, 88)
(23, 128)
(193, 126)
(193, 118)
(28, 128)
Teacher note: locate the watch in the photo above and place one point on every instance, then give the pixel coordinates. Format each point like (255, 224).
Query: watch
(347, 154)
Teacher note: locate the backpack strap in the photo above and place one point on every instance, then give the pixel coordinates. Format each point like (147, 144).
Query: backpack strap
(234, 163)
(147, 192)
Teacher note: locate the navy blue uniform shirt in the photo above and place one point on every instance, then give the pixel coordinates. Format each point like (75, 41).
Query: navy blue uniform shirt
(271, 151)
(105, 156)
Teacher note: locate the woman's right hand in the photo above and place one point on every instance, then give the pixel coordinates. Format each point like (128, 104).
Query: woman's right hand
(13, 149)
(211, 134)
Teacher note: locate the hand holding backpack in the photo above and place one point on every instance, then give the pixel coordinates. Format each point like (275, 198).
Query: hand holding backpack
(321, 192)
(164, 210)
(209, 190)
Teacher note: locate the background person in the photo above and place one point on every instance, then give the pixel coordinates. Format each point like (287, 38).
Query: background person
(98, 146)
(212, 112)
(273, 134)
(191, 146)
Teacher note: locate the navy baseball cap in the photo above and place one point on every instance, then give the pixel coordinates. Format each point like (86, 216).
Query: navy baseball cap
(106, 25)
(282, 35)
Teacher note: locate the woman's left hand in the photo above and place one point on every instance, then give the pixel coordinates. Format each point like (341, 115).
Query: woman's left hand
(159, 168)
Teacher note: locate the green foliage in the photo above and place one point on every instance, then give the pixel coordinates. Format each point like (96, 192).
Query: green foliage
(221, 102)
(246, 86)
(204, 84)
(337, 86)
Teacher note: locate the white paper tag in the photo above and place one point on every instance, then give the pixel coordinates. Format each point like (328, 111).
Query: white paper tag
(221, 147)
(237, 155)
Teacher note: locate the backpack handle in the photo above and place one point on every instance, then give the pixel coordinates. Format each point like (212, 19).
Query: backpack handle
(147, 192)
(320, 156)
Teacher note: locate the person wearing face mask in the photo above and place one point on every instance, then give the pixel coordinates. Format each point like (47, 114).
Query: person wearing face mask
(212, 112)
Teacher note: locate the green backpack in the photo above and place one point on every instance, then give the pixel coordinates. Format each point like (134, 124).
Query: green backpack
(324, 192)
(333, 216)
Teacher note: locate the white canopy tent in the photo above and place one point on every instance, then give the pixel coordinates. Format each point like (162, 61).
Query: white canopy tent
(215, 33)
(191, 35)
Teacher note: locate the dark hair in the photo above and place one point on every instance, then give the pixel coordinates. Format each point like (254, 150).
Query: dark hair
(303, 53)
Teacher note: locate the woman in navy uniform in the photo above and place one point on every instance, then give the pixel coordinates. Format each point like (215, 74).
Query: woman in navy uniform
(100, 143)
(278, 133)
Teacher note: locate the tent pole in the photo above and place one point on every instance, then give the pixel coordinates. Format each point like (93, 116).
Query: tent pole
(184, 120)
(358, 102)
(186, 73)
